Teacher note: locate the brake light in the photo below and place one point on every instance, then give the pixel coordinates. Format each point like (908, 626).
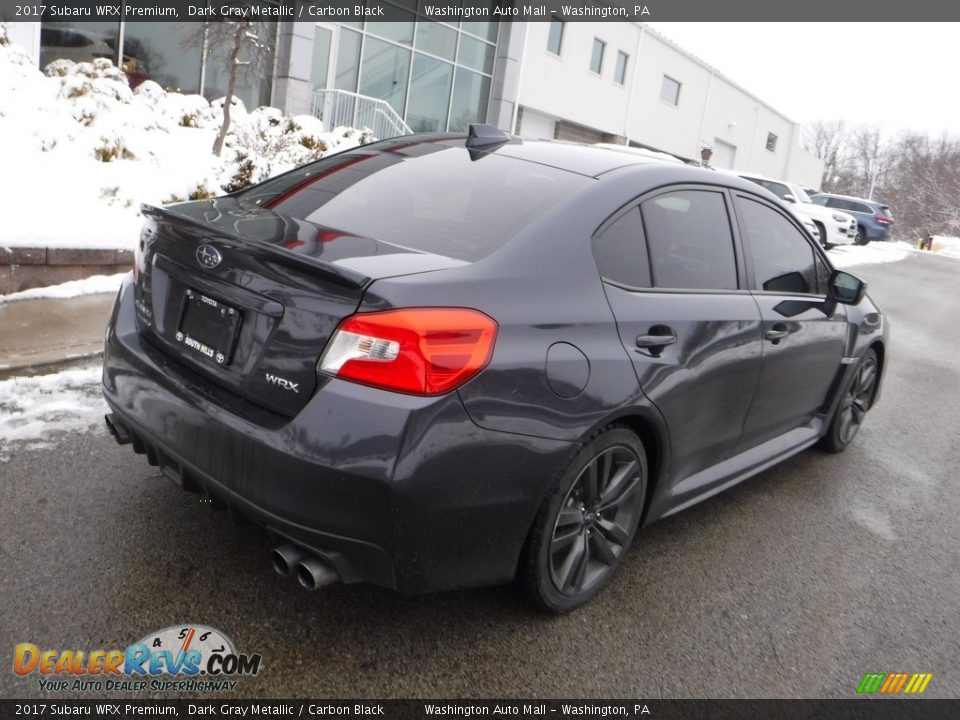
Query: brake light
(883, 219)
(424, 351)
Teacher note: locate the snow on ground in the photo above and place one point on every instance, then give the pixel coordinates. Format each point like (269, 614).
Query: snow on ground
(35, 409)
(946, 245)
(80, 150)
(72, 288)
(843, 256)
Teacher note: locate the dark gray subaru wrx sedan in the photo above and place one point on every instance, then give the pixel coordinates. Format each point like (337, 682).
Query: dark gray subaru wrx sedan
(442, 361)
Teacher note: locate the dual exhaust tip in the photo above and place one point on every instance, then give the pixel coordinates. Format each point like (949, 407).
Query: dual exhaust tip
(311, 571)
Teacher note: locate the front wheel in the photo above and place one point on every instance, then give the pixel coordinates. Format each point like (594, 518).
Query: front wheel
(823, 235)
(855, 400)
(586, 525)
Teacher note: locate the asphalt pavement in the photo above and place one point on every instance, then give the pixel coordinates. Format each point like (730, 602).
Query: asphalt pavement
(793, 584)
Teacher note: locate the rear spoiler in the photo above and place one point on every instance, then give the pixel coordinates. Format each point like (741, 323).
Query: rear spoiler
(342, 276)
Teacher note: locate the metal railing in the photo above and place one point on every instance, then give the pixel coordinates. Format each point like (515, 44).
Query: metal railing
(350, 109)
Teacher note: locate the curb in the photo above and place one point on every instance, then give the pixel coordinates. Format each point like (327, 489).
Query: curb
(46, 367)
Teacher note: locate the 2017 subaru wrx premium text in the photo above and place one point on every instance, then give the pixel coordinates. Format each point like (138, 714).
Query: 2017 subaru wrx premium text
(442, 361)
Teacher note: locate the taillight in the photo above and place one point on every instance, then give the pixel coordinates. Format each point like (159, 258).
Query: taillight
(883, 219)
(424, 351)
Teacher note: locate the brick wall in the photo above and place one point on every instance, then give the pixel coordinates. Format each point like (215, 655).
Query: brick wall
(25, 268)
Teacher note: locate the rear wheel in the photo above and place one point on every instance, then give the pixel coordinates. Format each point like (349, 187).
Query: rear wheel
(585, 526)
(861, 238)
(855, 401)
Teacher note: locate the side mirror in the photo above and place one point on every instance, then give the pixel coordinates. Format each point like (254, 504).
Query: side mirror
(789, 198)
(845, 288)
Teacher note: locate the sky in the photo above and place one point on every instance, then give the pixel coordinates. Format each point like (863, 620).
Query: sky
(894, 75)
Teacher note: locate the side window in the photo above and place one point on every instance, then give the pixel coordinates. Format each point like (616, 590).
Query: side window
(834, 203)
(691, 247)
(621, 252)
(783, 260)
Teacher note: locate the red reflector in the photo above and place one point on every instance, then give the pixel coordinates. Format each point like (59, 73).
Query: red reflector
(425, 351)
(883, 219)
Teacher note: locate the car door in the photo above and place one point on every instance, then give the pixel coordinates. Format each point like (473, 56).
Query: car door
(803, 332)
(692, 332)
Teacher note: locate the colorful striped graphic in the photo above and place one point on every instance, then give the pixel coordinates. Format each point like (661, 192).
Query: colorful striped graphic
(894, 683)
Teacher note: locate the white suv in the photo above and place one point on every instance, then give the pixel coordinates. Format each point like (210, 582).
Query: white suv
(836, 228)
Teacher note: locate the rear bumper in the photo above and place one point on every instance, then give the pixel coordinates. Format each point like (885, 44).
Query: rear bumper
(877, 232)
(402, 491)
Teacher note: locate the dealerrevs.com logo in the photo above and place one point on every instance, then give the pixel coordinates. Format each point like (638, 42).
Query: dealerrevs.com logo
(187, 658)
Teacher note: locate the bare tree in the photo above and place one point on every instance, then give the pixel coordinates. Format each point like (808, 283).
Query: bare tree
(826, 140)
(249, 46)
(871, 151)
(917, 175)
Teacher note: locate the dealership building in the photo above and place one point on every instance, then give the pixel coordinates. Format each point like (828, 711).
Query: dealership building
(613, 82)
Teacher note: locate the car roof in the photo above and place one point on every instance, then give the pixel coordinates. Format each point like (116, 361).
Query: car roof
(591, 160)
(853, 197)
(581, 158)
(578, 158)
(758, 176)
(642, 152)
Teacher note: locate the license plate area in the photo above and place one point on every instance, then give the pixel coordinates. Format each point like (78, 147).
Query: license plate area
(208, 326)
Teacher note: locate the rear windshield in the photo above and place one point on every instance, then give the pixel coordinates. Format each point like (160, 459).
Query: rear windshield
(885, 210)
(427, 197)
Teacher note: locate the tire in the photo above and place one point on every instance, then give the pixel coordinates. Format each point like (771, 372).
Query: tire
(823, 235)
(580, 534)
(856, 397)
(861, 238)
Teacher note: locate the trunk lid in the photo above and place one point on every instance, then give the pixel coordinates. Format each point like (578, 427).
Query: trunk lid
(248, 298)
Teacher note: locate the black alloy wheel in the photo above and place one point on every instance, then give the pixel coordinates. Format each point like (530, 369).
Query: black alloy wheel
(587, 524)
(855, 402)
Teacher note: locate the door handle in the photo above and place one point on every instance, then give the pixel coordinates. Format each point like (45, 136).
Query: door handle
(657, 339)
(777, 333)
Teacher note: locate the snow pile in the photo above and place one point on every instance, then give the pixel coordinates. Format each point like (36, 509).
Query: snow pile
(72, 288)
(946, 245)
(82, 150)
(34, 409)
(876, 252)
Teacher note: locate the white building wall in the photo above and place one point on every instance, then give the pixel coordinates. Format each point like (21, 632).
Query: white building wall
(564, 86)
(737, 118)
(712, 109)
(805, 169)
(672, 128)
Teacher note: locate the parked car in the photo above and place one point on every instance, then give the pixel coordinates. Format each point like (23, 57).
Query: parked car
(835, 227)
(874, 219)
(811, 227)
(74, 43)
(494, 359)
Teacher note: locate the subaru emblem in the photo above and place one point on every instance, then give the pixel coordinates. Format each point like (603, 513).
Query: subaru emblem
(208, 256)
